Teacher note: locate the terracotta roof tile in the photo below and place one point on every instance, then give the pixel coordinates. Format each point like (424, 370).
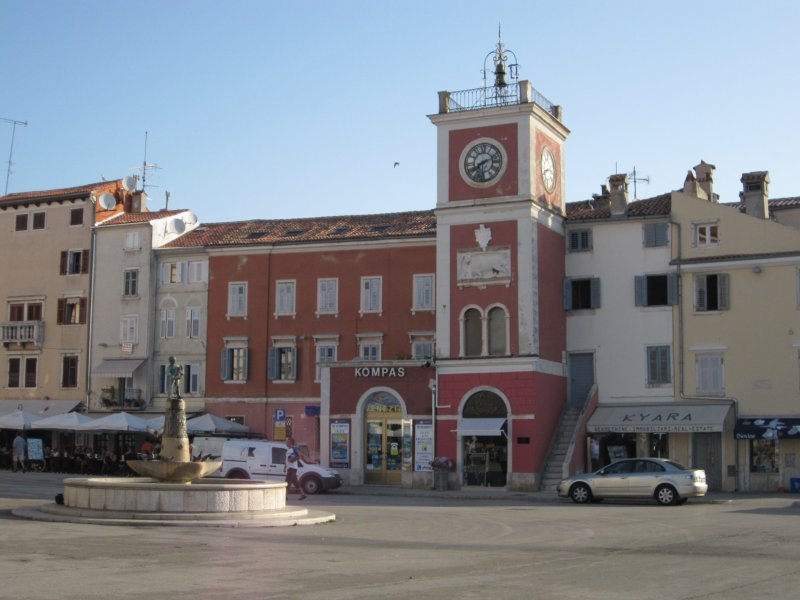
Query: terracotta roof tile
(600, 208)
(133, 218)
(70, 192)
(258, 232)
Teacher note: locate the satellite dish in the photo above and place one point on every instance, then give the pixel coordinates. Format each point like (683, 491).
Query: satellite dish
(107, 201)
(129, 183)
(175, 225)
(189, 218)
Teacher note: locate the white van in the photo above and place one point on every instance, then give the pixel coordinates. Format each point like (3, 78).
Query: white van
(263, 460)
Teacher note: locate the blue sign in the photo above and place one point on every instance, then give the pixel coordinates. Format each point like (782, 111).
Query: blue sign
(280, 414)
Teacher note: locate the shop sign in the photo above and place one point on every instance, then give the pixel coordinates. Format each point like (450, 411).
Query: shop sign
(423, 445)
(340, 443)
(380, 371)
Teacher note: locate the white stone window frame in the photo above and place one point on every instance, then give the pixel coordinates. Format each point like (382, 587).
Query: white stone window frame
(197, 271)
(324, 341)
(168, 319)
(129, 329)
(708, 354)
(194, 321)
(132, 242)
(279, 344)
(706, 226)
(371, 302)
(418, 293)
(285, 298)
(237, 343)
(368, 341)
(130, 287)
(422, 337)
(237, 301)
(322, 305)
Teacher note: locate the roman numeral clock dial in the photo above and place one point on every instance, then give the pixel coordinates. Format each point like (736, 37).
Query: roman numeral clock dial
(483, 162)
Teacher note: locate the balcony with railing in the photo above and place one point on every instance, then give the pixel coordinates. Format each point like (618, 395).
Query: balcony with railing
(129, 399)
(521, 92)
(22, 332)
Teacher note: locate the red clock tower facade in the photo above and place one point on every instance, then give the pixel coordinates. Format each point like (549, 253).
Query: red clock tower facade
(500, 325)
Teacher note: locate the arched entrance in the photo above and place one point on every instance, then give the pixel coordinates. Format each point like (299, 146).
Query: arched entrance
(483, 431)
(383, 418)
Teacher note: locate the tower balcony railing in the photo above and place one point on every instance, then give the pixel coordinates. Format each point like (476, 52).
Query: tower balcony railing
(485, 97)
(22, 332)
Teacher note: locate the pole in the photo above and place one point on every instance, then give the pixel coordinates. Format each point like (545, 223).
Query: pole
(14, 124)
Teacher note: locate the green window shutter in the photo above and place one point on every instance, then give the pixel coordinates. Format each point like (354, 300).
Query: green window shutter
(640, 290)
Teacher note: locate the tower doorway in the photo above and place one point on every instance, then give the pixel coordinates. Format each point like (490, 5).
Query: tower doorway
(484, 437)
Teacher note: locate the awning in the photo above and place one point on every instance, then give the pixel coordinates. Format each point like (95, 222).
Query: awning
(659, 418)
(117, 367)
(481, 427)
(767, 428)
(40, 408)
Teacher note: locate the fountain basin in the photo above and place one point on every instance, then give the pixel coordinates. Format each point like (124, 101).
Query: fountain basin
(173, 471)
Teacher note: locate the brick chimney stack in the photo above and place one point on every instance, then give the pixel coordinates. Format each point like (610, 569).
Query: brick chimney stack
(705, 179)
(618, 192)
(755, 194)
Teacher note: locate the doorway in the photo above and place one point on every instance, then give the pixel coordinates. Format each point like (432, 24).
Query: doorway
(383, 418)
(707, 455)
(581, 377)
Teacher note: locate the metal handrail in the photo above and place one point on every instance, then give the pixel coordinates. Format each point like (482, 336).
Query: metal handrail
(483, 97)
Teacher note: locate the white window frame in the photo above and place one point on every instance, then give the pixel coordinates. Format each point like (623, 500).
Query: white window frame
(237, 299)
(173, 272)
(130, 285)
(710, 372)
(194, 320)
(129, 329)
(168, 323)
(73, 262)
(327, 352)
(197, 271)
(328, 296)
(424, 293)
(285, 297)
(418, 346)
(705, 236)
(369, 351)
(371, 295)
(579, 240)
(191, 376)
(238, 371)
(651, 377)
(284, 351)
(133, 241)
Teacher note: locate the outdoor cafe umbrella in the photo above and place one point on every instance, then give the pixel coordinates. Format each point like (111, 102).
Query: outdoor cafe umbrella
(17, 420)
(156, 424)
(116, 422)
(64, 421)
(209, 423)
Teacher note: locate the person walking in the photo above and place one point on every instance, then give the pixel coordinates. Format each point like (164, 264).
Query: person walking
(18, 447)
(291, 466)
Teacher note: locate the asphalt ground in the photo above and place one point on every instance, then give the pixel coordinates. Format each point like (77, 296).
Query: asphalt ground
(389, 543)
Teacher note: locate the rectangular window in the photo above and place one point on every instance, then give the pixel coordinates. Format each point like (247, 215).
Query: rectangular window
(191, 378)
(129, 329)
(326, 353)
(74, 262)
(655, 234)
(370, 351)
(21, 222)
(71, 311)
(581, 293)
(76, 216)
(712, 292)
(422, 350)
(163, 384)
(284, 303)
(656, 290)
(579, 240)
(710, 374)
(327, 296)
(282, 363)
(173, 272)
(234, 364)
(131, 282)
(423, 292)
(34, 311)
(38, 220)
(132, 242)
(30, 372)
(69, 372)
(198, 271)
(168, 323)
(193, 322)
(16, 312)
(237, 299)
(370, 294)
(14, 371)
(659, 365)
(706, 235)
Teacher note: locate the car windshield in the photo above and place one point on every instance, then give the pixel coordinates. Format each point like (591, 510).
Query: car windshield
(677, 465)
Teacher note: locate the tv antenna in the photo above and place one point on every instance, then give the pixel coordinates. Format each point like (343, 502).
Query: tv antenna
(636, 179)
(14, 124)
(146, 166)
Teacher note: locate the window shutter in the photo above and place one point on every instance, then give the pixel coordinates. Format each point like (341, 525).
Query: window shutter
(273, 364)
(82, 316)
(184, 272)
(649, 235)
(85, 261)
(640, 290)
(62, 307)
(595, 283)
(672, 289)
(723, 291)
(294, 355)
(224, 364)
(246, 364)
(700, 292)
(163, 324)
(63, 265)
(567, 293)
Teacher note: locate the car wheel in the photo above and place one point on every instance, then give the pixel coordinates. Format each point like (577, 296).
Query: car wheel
(580, 493)
(311, 485)
(666, 495)
(237, 475)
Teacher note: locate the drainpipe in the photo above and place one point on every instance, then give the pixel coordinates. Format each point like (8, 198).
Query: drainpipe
(90, 310)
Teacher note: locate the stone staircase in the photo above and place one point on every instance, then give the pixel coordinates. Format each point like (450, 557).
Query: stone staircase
(558, 451)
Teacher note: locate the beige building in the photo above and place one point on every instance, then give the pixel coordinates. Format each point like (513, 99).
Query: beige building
(737, 326)
(46, 273)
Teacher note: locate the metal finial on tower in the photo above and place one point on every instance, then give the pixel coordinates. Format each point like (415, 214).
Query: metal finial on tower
(502, 70)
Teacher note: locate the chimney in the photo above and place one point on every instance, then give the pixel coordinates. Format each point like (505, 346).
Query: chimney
(618, 191)
(692, 188)
(705, 179)
(755, 194)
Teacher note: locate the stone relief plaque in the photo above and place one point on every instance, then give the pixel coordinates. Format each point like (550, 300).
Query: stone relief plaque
(484, 267)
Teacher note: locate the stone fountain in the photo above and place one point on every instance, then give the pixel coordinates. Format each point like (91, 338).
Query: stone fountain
(172, 490)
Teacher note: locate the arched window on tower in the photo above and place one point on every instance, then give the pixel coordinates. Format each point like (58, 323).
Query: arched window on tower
(473, 339)
(498, 338)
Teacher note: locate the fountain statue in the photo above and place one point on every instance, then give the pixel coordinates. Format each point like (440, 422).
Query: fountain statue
(174, 464)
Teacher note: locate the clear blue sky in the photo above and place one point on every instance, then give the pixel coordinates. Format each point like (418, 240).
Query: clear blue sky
(266, 109)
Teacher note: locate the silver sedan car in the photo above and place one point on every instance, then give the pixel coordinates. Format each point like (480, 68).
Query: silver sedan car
(663, 480)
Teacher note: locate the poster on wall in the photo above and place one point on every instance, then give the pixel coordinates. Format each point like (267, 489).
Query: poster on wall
(423, 445)
(340, 443)
(35, 449)
(408, 454)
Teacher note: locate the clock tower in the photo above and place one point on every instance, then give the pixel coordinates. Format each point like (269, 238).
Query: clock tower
(500, 324)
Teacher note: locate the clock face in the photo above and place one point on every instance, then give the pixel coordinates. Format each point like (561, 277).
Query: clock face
(548, 166)
(482, 162)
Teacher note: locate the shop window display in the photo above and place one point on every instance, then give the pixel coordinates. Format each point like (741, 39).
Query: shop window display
(763, 456)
